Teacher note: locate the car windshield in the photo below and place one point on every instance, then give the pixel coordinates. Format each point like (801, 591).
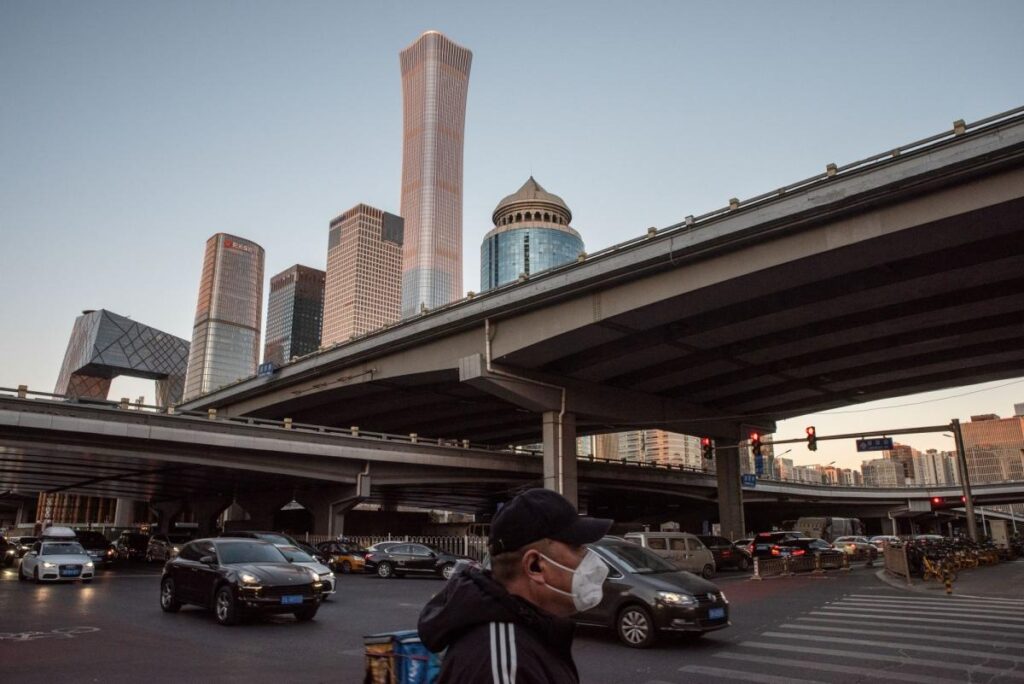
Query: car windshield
(61, 548)
(636, 558)
(295, 555)
(275, 538)
(249, 552)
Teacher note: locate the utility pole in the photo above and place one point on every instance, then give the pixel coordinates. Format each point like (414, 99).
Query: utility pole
(965, 481)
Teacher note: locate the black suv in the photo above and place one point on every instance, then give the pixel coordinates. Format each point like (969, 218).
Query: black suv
(726, 553)
(400, 559)
(771, 544)
(99, 548)
(131, 546)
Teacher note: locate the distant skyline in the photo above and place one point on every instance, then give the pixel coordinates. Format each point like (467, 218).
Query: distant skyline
(132, 132)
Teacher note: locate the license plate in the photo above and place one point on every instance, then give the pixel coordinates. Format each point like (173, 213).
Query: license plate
(716, 613)
(291, 600)
(69, 572)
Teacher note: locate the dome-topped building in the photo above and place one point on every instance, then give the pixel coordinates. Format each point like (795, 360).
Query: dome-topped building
(531, 234)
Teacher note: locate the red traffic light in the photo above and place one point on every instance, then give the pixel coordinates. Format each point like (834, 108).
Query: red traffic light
(810, 431)
(936, 500)
(705, 441)
(755, 437)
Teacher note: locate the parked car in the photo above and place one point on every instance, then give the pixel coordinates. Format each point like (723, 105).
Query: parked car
(343, 557)
(767, 544)
(279, 539)
(400, 559)
(57, 557)
(682, 549)
(299, 557)
(879, 541)
(856, 545)
(236, 578)
(131, 546)
(645, 595)
(382, 545)
(808, 546)
(8, 551)
(99, 548)
(727, 554)
(164, 547)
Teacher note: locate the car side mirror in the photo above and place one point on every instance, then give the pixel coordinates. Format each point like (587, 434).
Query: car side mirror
(208, 560)
(33, 553)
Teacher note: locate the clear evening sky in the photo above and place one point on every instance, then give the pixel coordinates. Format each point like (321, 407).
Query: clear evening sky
(132, 131)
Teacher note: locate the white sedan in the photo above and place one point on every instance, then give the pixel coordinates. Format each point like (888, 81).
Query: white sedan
(297, 556)
(55, 561)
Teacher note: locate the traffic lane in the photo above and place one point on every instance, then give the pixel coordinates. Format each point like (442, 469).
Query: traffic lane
(130, 638)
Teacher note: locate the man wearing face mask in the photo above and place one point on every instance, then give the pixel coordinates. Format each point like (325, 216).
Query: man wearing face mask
(510, 625)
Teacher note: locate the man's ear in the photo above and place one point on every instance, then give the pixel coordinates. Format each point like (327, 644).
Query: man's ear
(531, 564)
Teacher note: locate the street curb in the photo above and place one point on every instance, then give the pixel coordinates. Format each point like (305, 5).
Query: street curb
(917, 589)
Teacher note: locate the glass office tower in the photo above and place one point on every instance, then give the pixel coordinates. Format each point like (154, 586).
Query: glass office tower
(226, 335)
(435, 76)
(531, 234)
(295, 314)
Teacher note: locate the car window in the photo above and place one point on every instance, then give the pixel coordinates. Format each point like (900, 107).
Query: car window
(295, 555)
(398, 549)
(693, 544)
(276, 539)
(656, 543)
(420, 550)
(250, 552)
(190, 552)
(58, 548)
(635, 558)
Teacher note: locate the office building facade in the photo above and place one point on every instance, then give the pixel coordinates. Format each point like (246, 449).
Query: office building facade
(295, 314)
(994, 448)
(363, 286)
(226, 335)
(435, 79)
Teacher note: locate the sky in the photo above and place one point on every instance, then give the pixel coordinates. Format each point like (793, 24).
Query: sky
(132, 131)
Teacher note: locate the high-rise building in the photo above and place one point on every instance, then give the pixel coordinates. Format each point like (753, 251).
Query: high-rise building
(883, 472)
(295, 314)
(904, 455)
(363, 290)
(531, 234)
(994, 448)
(935, 467)
(435, 78)
(226, 336)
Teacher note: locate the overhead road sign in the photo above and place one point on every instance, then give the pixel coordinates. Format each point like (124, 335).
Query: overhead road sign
(874, 444)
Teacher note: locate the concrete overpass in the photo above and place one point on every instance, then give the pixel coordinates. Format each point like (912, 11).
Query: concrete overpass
(171, 460)
(897, 274)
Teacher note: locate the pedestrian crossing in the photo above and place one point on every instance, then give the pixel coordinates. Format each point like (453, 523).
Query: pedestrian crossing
(880, 637)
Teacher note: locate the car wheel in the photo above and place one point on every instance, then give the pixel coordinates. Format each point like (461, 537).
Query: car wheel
(306, 614)
(447, 569)
(708, 572)
(168, 600)
(385, 570)
(346, 568)
(635, 627)
(744, 563)
(225, 608)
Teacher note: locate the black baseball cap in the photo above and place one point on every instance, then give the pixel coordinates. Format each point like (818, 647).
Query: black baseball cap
(542, 514)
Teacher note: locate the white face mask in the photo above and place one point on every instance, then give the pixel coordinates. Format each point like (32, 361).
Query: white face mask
(587, 581)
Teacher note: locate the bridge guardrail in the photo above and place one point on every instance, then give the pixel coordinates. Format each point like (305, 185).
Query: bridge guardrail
(467, 545)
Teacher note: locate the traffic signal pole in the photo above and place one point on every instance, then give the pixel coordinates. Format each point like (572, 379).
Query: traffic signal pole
(965, 479)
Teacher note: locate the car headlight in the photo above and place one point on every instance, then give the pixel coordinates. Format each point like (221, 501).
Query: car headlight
(327, 576)
(313, 573)
(90, 564)
(48, 565)
(671, 598)
(248, 578)
(722, 595)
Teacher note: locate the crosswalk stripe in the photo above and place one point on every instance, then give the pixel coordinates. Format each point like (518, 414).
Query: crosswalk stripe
(906, 618)
(742, 676)
(954, 628)
(992, 619)
(913, 599)
(964, 610)
(930, 663)
(843, 669)
(933, 603)
(896, 645)
(903, 635)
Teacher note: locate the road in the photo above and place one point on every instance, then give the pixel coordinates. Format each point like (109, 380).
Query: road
(839, 628)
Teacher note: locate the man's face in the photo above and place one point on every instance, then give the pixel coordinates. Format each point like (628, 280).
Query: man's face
(554, 576)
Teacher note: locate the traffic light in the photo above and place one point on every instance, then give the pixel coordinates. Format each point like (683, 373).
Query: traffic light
(812, 439)
(945, 503)
(707, 447)
(755, 443)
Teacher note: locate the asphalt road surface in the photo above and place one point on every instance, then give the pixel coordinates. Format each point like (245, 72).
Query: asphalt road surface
(838, 628)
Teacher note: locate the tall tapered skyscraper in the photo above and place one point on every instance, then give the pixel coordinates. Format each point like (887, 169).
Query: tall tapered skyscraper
(435, 77)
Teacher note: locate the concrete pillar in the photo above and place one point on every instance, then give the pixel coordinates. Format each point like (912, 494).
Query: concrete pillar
(330, 504)
(730, 494)
(124, 513)
(166, 512)
(206, 511)
(560, 454)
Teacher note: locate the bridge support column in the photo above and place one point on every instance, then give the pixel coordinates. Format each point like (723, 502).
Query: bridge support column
(730, 494)
(330, 505)
(206, 511)
(165, 511)
(124, 513)
(560, 454)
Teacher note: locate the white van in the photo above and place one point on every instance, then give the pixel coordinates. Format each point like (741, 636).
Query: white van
(682, 549)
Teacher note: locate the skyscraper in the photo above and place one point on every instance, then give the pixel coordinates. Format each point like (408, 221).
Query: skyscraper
(435, 77)
(226, 336)
(295, 314)
(363, 289)
(531, 234)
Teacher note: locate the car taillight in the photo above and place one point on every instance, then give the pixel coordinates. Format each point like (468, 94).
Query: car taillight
(750, 549)
(798, 552)
(368, 556)
(776, 550)
(726, 554)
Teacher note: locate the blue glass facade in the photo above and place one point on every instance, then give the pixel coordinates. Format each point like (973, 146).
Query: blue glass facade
(531, 249)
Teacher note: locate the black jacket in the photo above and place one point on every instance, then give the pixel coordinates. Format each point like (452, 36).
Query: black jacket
(494, 637)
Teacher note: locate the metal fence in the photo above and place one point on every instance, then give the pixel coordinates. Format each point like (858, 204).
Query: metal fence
(466, 545)
(790, 565)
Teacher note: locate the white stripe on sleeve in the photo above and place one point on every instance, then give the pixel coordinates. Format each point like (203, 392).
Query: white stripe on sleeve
(494, 654)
